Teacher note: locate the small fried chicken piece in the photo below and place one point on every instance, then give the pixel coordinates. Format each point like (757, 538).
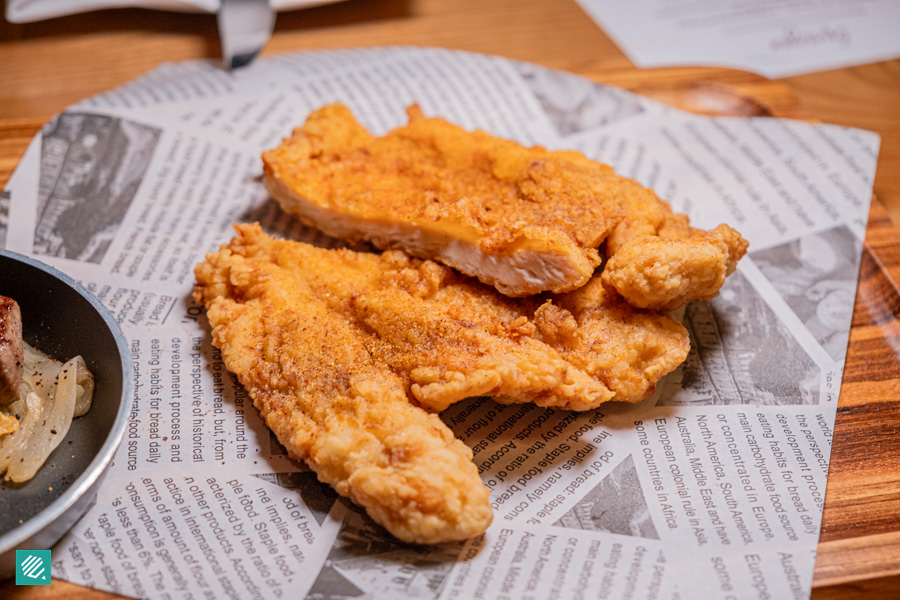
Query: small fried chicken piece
(657, 261)
(331, 404)
(524, 220)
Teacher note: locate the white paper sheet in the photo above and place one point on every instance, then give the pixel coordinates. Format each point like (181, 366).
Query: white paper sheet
(713, 488)
(775, 38)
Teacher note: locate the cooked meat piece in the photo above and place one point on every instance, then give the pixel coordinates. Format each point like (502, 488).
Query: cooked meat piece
(524, 220)
(656, 260)
(340, 349)
(11, 350)
(330, 403)
(627, 349)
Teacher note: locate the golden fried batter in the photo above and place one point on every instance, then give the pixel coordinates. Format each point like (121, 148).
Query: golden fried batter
(331, 404)
(628, 349)
(338, 347)
(657, 261)
(524, 220)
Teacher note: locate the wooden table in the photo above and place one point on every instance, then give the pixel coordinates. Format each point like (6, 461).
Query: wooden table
(47, 66)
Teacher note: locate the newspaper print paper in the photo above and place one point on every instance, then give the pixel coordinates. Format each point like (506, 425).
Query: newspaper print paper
(713, 488)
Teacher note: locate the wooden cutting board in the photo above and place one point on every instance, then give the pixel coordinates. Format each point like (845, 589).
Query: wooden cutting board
(859, 550)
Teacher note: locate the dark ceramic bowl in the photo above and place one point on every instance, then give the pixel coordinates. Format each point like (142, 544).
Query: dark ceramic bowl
(63, 319)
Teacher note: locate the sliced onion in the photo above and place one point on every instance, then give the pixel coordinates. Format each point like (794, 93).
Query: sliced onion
(51, 429)
(40, 373)
(84, 381)
(29, 410)
(50, 395)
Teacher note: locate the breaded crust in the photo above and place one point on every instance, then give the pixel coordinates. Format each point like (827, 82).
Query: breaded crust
(332, 405)
(344, 351)
(524, 220)
(657, 261)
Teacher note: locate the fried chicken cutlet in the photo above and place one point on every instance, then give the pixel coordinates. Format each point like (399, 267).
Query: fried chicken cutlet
(524, 220)
(331, 404)
(341, 351)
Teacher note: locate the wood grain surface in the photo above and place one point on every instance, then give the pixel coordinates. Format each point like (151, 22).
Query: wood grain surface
(49, 65)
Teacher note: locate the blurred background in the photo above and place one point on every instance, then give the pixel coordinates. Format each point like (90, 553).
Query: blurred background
(48, 65)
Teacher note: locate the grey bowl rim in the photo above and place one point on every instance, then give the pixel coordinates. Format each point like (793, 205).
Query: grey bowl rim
(98, 466)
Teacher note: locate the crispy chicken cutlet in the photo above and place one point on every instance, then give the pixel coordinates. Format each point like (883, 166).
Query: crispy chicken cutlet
(331, 403)
(344, 351)
(525, 220)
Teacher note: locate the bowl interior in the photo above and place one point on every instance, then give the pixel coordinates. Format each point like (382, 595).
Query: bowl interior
(61, 322)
